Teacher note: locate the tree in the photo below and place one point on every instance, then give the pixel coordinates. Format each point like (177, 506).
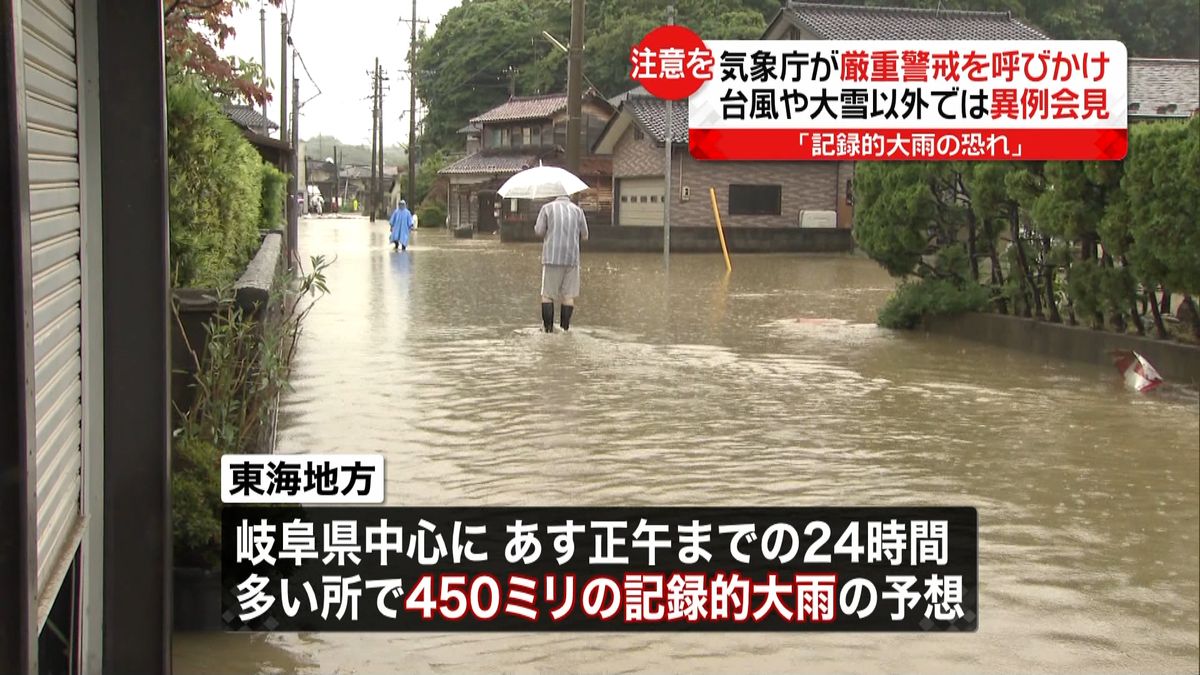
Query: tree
(464, 66)
(193, 31)
(1160, 184)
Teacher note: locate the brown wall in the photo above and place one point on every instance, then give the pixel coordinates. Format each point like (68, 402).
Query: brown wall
(806, 185)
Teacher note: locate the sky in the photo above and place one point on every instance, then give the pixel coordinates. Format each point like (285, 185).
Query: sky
(339, 40)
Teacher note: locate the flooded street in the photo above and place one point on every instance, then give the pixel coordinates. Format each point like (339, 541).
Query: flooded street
(772, 387)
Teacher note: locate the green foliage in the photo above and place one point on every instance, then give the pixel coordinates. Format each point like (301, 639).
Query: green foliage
(893, 214)
(1097, 290)
(463, 66)
(196, 502)
(1160, 189)
(214, 179)
(432, 214)
(913, 301)
(244, 367)
(274, 192)
(427, 173)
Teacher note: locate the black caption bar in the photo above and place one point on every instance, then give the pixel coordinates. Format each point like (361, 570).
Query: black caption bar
(599, 569)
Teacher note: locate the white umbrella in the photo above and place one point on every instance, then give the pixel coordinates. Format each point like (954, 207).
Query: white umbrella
(542, 182)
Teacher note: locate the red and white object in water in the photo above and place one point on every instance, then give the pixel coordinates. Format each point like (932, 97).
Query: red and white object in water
(1138, 373)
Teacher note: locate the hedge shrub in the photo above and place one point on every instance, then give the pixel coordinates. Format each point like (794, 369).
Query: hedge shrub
(914, 301)
(215, 182)
(432, 214)
(274, 191)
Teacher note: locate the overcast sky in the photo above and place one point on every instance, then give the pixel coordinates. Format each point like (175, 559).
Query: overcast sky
(339, 40)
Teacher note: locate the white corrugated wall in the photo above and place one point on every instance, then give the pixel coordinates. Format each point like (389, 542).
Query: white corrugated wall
(52, 123)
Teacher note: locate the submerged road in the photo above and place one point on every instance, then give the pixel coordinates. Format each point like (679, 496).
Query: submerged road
(772, 387)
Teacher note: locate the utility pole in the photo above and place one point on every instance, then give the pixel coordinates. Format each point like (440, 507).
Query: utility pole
(337, 182)
(667, 196)
(381, 207)
(283, 77)
(262, 25)
(575, 87)
(412, 107)
(374, 137)
(512, 82)
(294, 217)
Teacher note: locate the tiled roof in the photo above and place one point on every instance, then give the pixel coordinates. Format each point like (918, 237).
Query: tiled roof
(852, 22)
(486, 163)
(651, 115)
(619, 98)
(524, 108)
(469, 129)
(1155, 84)
(248, 118)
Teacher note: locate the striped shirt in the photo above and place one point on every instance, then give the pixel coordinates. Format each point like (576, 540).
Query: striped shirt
(562, 225)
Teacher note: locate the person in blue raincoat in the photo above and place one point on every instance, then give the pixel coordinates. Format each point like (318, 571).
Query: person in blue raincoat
(402, 224)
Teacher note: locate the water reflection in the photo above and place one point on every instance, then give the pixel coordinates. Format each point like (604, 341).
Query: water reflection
(770, 386)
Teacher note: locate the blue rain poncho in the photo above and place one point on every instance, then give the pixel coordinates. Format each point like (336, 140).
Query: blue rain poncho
(402, 222)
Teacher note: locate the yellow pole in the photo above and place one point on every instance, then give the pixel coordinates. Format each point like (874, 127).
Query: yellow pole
(720, 230)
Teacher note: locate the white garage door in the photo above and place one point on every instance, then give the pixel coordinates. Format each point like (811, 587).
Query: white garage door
(641, 201)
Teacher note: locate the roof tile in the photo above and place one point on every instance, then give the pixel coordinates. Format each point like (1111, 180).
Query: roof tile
(1157, 83)
(486, 163)
(248, 118)
(524, 108)
(651, 114)
(853, 22)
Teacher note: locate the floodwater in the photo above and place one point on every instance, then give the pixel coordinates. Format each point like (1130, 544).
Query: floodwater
(772, 387)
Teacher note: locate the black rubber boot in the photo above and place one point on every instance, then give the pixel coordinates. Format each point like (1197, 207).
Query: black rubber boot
(565, 321)
(548, 316)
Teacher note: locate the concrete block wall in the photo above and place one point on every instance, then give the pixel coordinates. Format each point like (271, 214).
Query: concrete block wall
(702, 239)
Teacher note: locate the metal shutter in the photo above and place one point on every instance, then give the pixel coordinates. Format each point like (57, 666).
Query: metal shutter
(52, 124)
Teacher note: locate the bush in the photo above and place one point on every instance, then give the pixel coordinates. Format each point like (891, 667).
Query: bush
(215, 180)
(914, 301)
(432, 214)
(274, 192)
(245, 367)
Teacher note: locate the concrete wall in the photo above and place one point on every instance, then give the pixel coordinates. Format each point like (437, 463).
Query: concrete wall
(704, 239)
(811, 186)
(1176, 362)
(198, 306)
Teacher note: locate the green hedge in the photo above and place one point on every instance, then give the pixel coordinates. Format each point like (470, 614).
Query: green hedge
(913, 301)
(432, 214)
(274, 191)
(215, 181)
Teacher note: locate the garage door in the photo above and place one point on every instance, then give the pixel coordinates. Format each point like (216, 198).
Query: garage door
(641, 201)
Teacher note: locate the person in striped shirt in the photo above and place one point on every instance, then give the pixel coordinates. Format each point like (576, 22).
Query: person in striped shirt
(562, 225)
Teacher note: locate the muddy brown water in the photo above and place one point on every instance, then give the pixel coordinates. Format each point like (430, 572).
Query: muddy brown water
(770, 387)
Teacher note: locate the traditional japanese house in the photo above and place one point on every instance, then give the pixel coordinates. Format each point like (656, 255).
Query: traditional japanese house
(821, 21)
(518, 134)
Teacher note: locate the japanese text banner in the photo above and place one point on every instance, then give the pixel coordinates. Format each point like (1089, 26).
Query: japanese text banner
(916, 100)
(600, 569)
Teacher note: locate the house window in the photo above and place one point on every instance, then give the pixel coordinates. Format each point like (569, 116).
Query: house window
(624, 199)
(505, 140)
(653, 199)
(528, 135)
(755, 200)
(495, 140)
